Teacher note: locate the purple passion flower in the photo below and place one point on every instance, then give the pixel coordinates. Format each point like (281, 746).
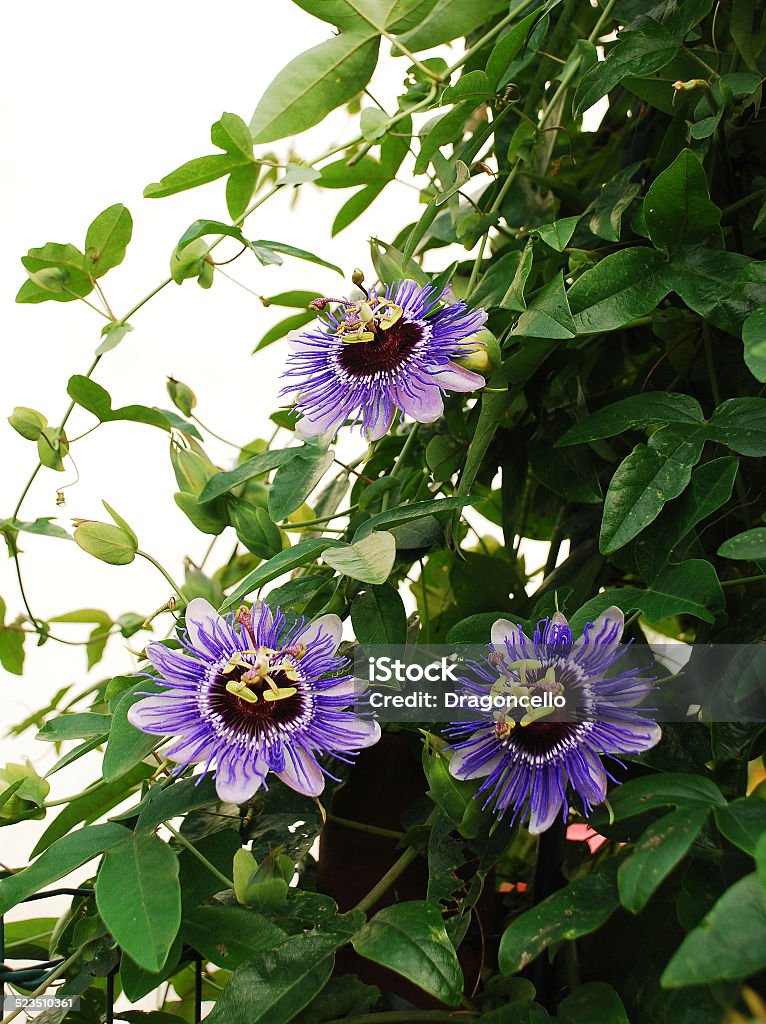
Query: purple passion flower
(528, 757)
(250, 694)
(385, 352)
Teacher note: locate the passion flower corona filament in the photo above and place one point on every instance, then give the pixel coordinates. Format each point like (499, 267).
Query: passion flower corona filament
(529, 757)
(251, 694)
(384, 352)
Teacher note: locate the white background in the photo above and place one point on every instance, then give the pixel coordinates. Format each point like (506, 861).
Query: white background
(96, 102)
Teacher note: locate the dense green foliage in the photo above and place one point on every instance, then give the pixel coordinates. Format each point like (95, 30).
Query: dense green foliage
(623, 423)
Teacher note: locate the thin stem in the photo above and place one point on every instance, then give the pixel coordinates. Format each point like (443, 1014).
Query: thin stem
(397, 869)
(146, 298)
(53, 976)
(437, 79)
(426, 612)
(360, 826)
(324, 519)
(90, 304)
(409, 441)
(223, 440)
(744, 579)
(200, 857)
(378, 891)
(164, 572)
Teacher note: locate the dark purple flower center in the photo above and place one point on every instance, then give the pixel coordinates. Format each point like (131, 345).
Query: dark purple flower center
(254, 718)
(388, 350)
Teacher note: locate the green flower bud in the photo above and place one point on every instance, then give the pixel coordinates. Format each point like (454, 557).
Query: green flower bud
(181, 395)
(487, 355)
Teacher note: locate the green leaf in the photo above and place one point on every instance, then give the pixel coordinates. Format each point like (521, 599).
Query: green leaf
(272, 986)
(557, 234)
(591, 1002)
(11, 645)
(200, 228)
(127, 745)
(749, 546)
(74, 727)
(256, 530)
(390, 264)
(710, 488)
(229, 936)
(651, 475)
(196, 172)
(28, 422)
(754, 338)
(295, 480)
(743, 822)
(623, 286)
(231, 134)
(410, 938)
(369, 560)
(112, 335)
(292, 250)
(730, 943)
(107, 240)
(283, 328)
(139, 898)
(451, 19)
(91, 805)
(97, 400)
(578, 909)
(615, 197)
(689, 588)
(315, 83)
(106, 542)
(656, 853)
(443, 130)
(549, 315)
(677, 208)
(636, 412)
(637, 53)
(56, 272)
(668, 789)
(507, 48)
(292, 558)
(240, 188)
(262, 463)
(378, 616)
(740, 424)
(714, 284)
(63, 857)
(415, 510)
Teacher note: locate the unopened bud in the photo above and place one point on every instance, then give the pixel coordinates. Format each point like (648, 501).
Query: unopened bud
(693, 83)
(487, 354)
(181, 395)
(358, 277)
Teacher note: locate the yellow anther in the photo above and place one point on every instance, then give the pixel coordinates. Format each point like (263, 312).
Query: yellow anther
(240, 689)
(355, 339)
(532, 716)
(280, 693)
(388, 319)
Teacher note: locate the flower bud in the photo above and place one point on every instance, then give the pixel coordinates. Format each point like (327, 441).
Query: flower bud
(181, 395)
(487, 354)
(358, 277)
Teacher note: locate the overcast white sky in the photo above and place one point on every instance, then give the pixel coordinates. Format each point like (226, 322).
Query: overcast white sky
(97, 101)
